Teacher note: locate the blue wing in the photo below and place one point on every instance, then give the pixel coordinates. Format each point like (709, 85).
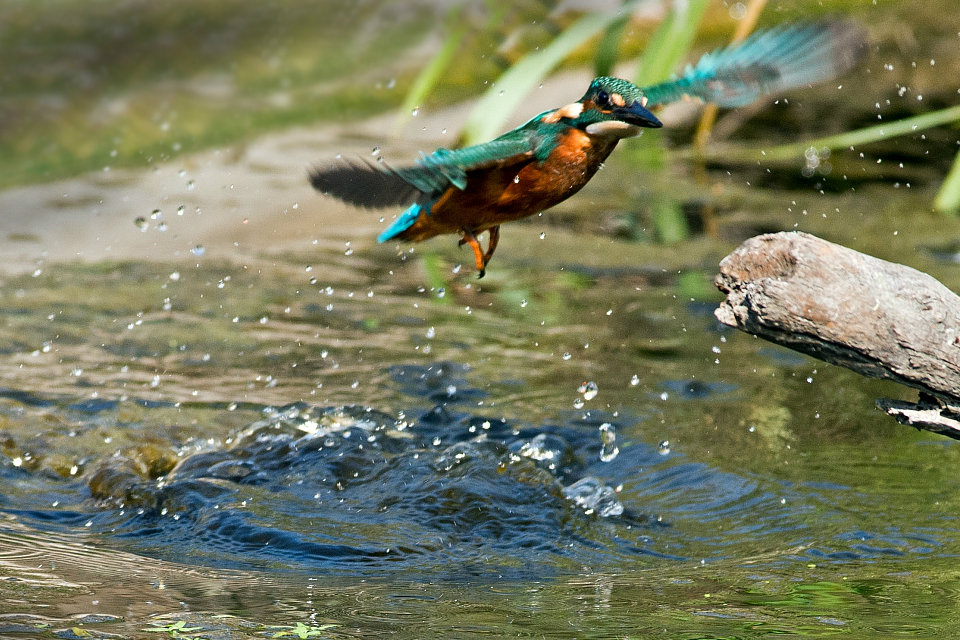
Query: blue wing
(369, 185)
(766, 62)
(378, 185)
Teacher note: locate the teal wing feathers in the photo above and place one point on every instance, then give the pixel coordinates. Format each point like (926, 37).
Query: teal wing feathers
(766, 62)
(442, 169)
(379, 185)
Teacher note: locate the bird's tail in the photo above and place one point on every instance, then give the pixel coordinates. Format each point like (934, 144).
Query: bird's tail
(766, 62)
(403, 222)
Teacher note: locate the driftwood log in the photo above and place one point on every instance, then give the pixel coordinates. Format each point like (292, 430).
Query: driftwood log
(880, 319)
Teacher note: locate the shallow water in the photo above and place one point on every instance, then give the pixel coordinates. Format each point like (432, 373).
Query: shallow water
(224, 407)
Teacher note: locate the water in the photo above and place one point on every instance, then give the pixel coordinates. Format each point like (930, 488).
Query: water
(257, 418)
(325, 466)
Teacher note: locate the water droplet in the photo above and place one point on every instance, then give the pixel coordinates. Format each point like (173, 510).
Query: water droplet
(191, 185)
(141, 223)
(175, 276)
(441, 292)
(588, 390)
(578, 403)
(375, 151)
(156, 214)
(391, 83)
(162, 227)
(415, 112)
(523, 302)
(542, 235)
(608, 442)
(516, 179)
(663, 448)
(431, 333)
(566, 355)
(635, 380)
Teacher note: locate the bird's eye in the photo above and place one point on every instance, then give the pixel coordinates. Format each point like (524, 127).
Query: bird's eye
(603, 99)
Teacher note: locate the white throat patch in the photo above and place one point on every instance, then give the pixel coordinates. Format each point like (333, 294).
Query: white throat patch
(613, 129)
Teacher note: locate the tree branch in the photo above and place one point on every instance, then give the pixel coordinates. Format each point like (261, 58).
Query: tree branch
(878, 318)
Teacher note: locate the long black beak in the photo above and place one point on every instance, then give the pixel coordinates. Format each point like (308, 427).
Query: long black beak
(637, 114)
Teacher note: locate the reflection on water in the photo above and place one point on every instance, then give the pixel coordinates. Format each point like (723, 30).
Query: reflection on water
(508, 453)
(239, 414)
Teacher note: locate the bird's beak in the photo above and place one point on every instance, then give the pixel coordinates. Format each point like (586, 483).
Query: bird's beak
(637, 115)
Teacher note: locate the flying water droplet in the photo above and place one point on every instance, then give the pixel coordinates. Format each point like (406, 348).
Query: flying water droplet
(664, 448)
(141, 223)
(588, 390)
(608, 442)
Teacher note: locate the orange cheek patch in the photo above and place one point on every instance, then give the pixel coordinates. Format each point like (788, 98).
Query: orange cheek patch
(617, 99)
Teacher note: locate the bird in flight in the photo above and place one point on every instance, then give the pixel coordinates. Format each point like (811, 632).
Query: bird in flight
(554, 154)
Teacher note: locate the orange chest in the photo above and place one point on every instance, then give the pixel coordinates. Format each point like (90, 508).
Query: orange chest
(568, 167)
(510, 192)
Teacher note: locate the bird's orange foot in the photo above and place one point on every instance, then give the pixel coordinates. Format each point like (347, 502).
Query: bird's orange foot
(470, 239)
(482, 258)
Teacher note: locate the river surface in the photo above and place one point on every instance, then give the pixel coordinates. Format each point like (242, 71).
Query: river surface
(226, 412)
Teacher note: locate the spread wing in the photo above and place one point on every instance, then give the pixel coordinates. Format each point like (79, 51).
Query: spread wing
(375, 185)
(766, 62)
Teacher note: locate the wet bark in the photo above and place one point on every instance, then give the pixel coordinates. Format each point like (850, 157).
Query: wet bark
(878, 318)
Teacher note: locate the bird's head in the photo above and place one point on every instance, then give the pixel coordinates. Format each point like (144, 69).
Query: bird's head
(611, 107)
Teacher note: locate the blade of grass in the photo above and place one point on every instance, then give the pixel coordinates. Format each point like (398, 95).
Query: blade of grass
(867, 134)
(428, 78)
(507, 93)
(948, 198)
(709, 115)
(670, 42)
(794, 150)
(609, 46)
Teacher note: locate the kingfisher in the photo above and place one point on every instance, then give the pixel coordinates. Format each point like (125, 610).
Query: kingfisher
(550, 157)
